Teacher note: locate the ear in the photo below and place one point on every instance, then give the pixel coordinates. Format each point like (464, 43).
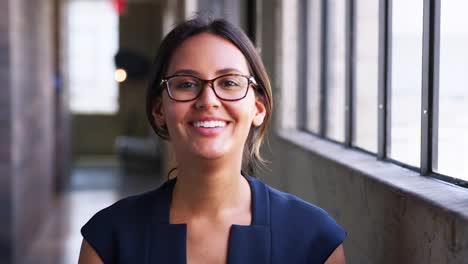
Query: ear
(260, 111)
(158, 113)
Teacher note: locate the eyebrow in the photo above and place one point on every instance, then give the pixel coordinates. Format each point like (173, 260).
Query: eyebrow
(196, 73)
(227, 70)
(186, 71)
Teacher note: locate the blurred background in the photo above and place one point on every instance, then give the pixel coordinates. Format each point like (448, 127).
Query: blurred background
(371, 114)
(74, 133)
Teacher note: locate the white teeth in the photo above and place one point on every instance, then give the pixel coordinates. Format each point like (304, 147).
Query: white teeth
(209, 124)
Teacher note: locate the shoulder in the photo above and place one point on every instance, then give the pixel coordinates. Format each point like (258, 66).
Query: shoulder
(311, 227)
(283, 204)
(294, 209)
(122, 214)
(125, 220)
(127, 209)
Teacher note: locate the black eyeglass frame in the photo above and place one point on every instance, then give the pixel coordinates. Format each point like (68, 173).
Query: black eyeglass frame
(250, 80)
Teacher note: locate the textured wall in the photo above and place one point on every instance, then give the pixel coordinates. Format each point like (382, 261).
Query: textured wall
(62, 115)
(27, 132)
(5, 134)
(385, 224)
(94, 134)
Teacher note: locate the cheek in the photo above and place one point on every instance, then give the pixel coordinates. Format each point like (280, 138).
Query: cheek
(245, 113)
(174, 115)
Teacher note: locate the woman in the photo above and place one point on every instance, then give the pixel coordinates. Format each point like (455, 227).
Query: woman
(211, 99)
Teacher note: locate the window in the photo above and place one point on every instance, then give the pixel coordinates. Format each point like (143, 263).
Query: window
(401, 72)
(336, 70)
(405, 91)
(92, 39)
(452, 140)
(366, 77)
(313, 60)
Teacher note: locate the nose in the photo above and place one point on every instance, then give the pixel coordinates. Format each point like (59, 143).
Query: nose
(207, 98)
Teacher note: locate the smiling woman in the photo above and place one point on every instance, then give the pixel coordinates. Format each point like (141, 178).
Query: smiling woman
(210, 97)
(237, 108)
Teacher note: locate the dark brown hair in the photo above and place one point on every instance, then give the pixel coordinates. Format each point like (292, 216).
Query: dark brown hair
(222, 28)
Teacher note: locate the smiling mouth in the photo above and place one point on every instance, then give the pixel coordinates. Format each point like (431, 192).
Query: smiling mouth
(210, 124)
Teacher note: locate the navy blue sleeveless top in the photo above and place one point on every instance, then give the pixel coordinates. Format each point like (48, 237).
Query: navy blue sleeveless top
(284, 229)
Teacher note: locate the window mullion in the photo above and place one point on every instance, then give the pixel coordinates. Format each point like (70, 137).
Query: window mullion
(430, 85)
(384, 84)
(323, 67)
(350, 72)
(303, 66)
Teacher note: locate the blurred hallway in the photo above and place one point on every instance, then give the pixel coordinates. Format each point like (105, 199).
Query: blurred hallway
(95, 183)
(370, 117)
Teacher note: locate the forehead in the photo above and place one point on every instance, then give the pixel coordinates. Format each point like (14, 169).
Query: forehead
(207, 53)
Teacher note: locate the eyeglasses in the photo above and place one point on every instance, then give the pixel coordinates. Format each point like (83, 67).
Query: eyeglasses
(229, 87)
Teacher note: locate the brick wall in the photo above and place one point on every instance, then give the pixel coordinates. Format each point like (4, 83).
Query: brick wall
(26, 134)
(5, 135)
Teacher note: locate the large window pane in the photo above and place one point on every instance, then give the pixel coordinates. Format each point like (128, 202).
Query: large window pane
(366, 77)
(405, 123)
(92, 43)
(313, 65)
(336, 69)
(453, 90)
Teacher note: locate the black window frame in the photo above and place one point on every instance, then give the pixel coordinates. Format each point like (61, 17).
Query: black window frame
(430, 83)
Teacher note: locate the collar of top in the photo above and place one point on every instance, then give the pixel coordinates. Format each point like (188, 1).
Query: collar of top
(247, 243)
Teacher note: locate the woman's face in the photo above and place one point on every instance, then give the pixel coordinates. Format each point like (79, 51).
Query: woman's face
(208, 56)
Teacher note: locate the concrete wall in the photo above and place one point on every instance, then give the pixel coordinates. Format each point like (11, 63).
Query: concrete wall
(27, 131)
(6, 205)
(62, 115)
(94, 134)
(385, 209)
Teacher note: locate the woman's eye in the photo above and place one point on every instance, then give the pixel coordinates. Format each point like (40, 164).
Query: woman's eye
(187, 85)
(228, 83)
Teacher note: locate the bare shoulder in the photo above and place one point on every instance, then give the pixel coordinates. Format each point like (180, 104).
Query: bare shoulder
(337, 257)
(88, 255)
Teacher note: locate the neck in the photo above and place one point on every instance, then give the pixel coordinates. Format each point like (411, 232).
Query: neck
(207, 189)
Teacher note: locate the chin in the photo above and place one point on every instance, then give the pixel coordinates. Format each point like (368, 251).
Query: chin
(211, 152)
(210, 155)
